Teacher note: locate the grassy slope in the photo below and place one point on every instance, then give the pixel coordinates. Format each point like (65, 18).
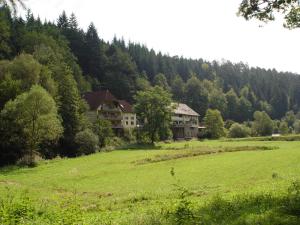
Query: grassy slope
(115, 181)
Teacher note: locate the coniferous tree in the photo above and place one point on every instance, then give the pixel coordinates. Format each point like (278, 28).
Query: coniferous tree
(178, 89)
(5, 33)
(63, 21)
(95, 61)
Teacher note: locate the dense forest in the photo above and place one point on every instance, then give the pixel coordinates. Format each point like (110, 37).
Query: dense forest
(67, 61)
(125, 68)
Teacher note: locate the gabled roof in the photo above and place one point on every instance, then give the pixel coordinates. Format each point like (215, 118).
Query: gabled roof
(97, 98)
(183, 109)
(125, 106)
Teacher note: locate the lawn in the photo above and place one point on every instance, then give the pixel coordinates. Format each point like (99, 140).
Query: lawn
(115, 185)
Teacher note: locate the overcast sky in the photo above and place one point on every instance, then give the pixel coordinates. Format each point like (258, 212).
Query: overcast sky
(207, 29)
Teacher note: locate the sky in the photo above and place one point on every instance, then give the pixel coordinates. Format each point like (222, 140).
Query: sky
(207, 29)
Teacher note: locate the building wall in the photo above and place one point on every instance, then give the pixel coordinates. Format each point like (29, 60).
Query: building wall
(92, 116)
(129, 120)
(185, 126)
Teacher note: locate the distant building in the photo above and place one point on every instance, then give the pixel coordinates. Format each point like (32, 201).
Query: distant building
(104, 105)
(185, 122)
(129, 120)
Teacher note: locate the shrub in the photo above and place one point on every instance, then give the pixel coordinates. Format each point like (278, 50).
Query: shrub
(239, 131)
(130, 135)
(228, 124)
(283, 128)
(297, 126)
(262, 125)
(87, 142)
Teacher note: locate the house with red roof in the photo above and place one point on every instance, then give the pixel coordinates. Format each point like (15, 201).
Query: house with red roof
(104, 105)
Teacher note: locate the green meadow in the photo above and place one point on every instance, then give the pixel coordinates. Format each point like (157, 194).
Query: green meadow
(124, 185)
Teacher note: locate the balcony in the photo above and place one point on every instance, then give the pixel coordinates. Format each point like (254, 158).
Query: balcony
(184, 124)
(111, 117)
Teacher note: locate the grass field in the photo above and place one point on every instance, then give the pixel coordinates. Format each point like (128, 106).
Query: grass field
(122, 184)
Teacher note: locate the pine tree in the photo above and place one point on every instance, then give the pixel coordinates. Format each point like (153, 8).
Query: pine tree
(63, 21)
(94, 54)
(73, 24)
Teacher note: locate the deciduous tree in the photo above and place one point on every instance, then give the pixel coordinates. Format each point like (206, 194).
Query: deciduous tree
(35, 115)
(214, 123)
(264, 10)
(153, 107)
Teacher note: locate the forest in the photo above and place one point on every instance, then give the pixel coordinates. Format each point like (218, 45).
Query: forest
(59, 61)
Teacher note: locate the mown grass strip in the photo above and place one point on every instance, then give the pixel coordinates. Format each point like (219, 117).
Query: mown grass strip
(267, 138)
(201, 151)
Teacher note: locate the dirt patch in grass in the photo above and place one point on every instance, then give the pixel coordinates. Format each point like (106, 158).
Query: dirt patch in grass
(201, 151)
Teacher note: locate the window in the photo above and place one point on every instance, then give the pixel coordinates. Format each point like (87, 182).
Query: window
(126, 122)
(132, 118)
(126, 117)
(132, 123)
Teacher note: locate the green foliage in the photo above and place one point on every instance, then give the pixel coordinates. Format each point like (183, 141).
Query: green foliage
(265, 106)
(217, 100)
(153, 107)
(9, 89)
(283, 128)
(142, 83)
(244, 209)
(70, 110)
(178, 89)
(280, 104)
(196, 95)
(120, 73)
(232, 103)
(5, 33)
(239, 131)
(34, 113)
(161, 81)
(265, 10)
(27, 69)
(19, 208)
(289, 118)
(214, 123)
(130, 135)
(102, 128)
(262, 125)
(87, 142)
(244, 109)
(20, 74)
(296, 126)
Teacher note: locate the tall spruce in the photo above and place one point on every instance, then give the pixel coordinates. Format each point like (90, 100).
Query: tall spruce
(94, 63)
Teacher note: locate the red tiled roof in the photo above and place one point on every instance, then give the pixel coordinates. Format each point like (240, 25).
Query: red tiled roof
(95, 99)
(125, 106)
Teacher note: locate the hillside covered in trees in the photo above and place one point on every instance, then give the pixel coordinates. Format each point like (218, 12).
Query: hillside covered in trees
(125, 68)
(67, 61)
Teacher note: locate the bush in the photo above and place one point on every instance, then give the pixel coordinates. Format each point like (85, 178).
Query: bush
(228, 124)
(296, 126)
(130, 135)
(283, 128)
(29, 160)
(239, 131)
(87, 142)
(262, 124)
